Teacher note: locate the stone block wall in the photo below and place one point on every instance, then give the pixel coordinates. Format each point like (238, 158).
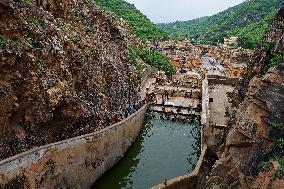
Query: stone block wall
(73, 163)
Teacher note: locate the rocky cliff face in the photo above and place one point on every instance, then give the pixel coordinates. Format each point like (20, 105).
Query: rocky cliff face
(64, 71)
(253, 155)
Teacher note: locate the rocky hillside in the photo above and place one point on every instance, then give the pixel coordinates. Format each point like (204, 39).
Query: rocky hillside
(64, 71)
(249, 21)
(253, 153)
(146, 30)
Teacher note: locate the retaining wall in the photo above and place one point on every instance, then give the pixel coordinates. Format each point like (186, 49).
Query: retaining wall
(73, 163)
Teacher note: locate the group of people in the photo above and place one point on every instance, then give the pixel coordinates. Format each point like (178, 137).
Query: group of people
(177, 82)
(170, 115)
(151, 97)
(126, 112)
(188, 94)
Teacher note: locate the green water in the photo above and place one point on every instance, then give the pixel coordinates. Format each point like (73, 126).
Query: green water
(163, 150)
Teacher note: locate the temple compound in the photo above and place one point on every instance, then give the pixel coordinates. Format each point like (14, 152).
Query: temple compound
(206, 76)
(213, 60)
(210, 74)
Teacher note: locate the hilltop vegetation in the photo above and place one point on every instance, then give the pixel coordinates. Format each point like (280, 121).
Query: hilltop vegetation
(140, 24)
(251, 35)
(248, 21)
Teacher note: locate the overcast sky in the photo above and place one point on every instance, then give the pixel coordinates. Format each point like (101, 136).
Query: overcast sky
(172, 10)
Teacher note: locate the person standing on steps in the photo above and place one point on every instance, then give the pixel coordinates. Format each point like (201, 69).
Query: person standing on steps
(212, 126)
(189, 108)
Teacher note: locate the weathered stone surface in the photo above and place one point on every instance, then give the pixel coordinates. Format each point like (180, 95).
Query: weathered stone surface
(64, 71)
(259, 100)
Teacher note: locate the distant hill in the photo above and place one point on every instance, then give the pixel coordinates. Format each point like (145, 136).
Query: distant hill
(140, 24)
(248, 20)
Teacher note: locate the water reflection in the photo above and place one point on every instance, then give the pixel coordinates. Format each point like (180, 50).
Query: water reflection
(163, 150)
(195, 135)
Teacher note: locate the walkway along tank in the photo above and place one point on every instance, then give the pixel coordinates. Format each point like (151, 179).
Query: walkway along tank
(73, 163)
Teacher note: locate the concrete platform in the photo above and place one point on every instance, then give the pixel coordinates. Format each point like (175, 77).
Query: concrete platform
(179, 101)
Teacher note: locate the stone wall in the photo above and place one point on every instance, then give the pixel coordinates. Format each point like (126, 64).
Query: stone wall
(205, 116)
(209, 80)
(213, 79)
(205, 102)
(73, 163)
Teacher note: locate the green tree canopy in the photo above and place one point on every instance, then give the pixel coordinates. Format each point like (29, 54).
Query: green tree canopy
(248, 21)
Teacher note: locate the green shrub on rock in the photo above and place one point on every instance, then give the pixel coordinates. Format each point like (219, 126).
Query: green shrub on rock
(153, 58)
(275, 60)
